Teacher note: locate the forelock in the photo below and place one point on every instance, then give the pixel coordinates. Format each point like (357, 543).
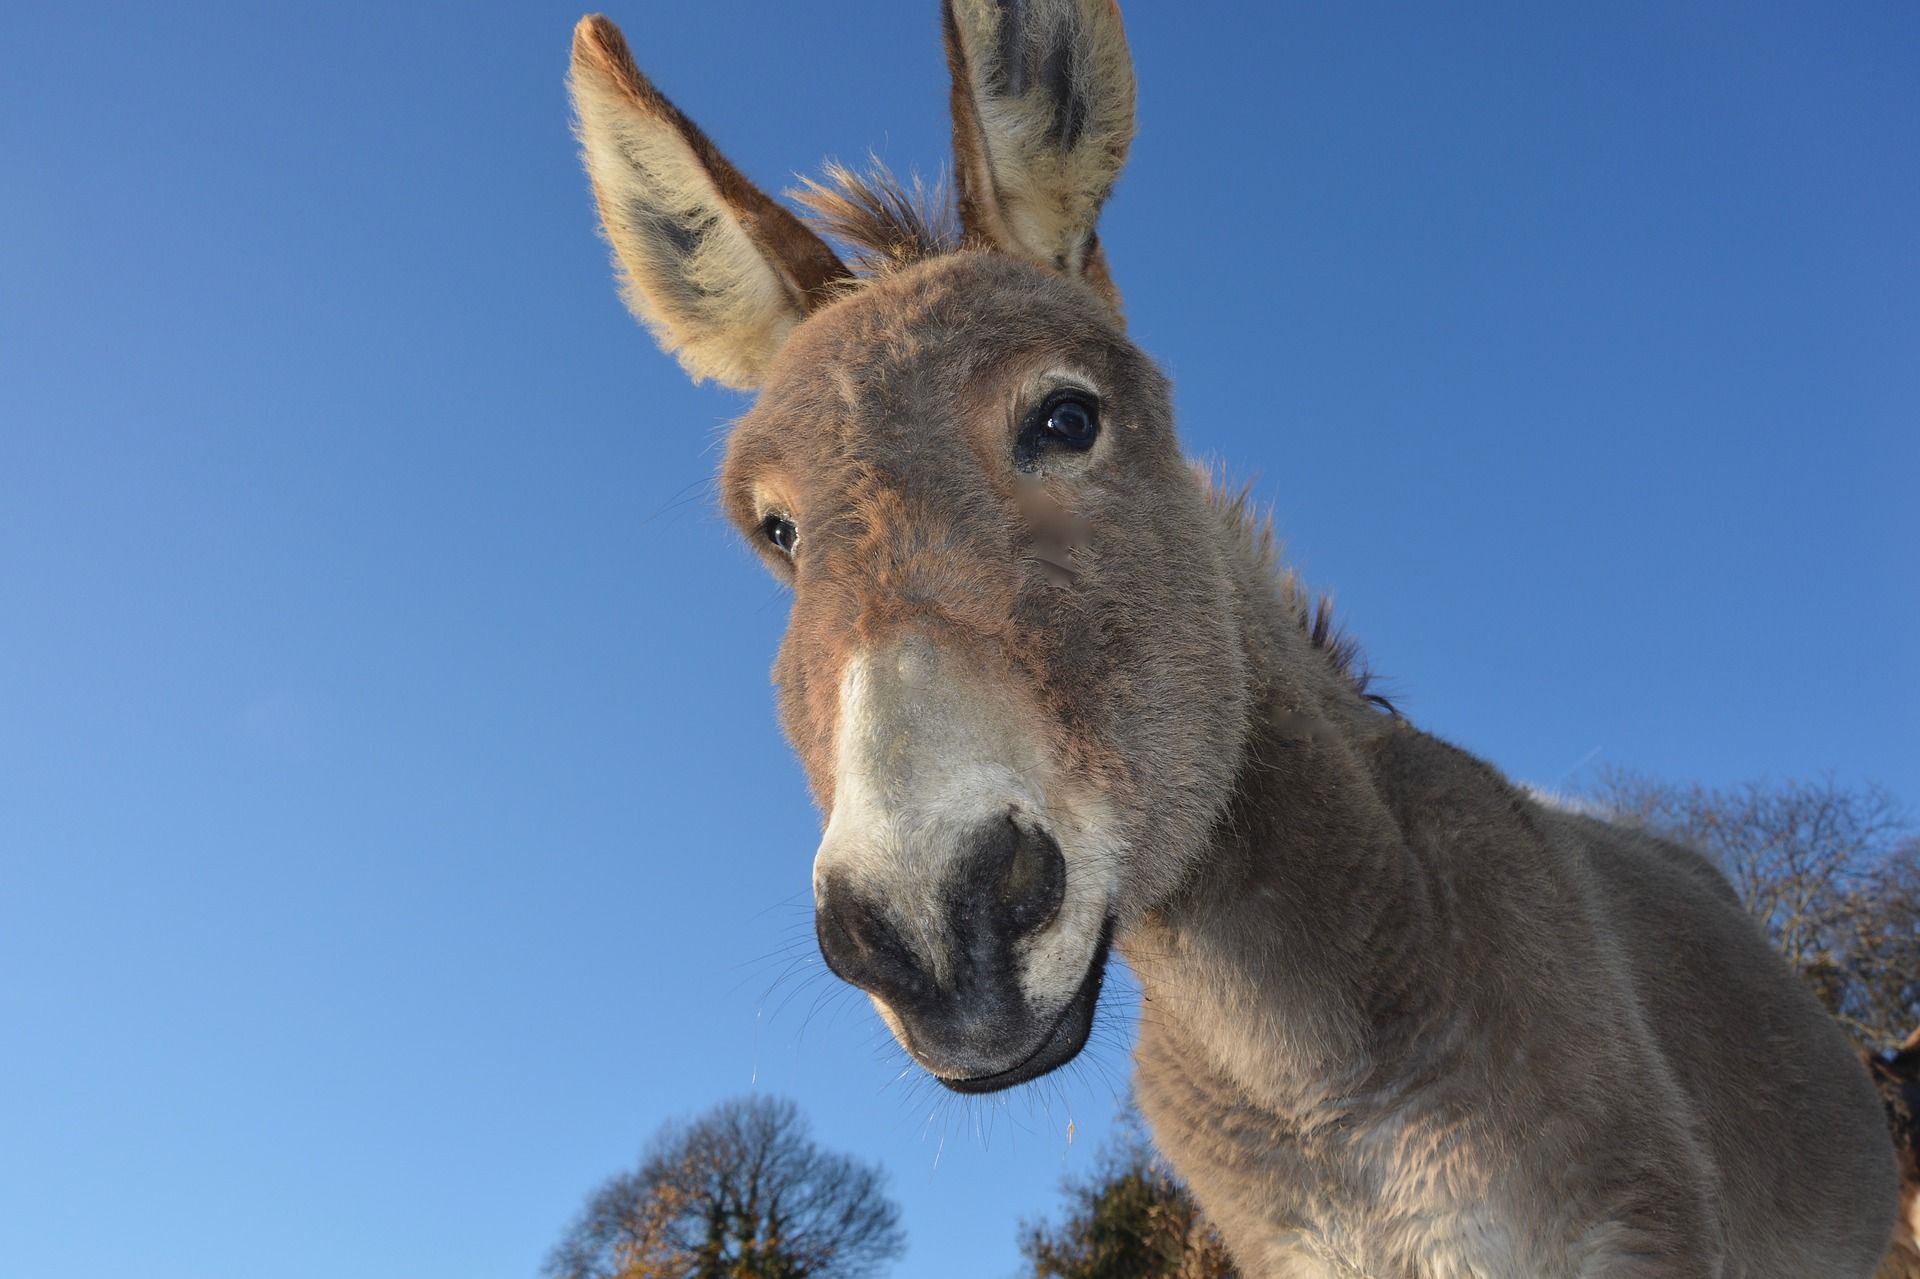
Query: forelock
(880, 223)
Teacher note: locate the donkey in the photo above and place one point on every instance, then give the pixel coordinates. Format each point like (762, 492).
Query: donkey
(1055, 697)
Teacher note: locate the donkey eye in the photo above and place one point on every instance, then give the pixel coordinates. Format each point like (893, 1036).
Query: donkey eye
(779, 530)
(1068, 420)
(1073, 421)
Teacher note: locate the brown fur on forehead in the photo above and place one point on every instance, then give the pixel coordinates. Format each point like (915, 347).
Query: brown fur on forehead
(916, 360)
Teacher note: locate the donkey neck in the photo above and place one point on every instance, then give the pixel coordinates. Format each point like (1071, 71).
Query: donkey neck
(1289, 959)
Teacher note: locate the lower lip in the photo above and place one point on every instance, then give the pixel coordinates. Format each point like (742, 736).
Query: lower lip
(1074, 1024)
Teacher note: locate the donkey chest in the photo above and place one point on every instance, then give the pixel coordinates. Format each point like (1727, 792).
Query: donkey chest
(1423, 1236)
(1386, 1201)
(1395, 1194)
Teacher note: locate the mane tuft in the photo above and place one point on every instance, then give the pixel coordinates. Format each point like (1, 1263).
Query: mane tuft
(881, 223)
(1313, 613)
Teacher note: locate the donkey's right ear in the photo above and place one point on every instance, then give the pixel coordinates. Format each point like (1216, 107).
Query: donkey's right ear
(713, 266)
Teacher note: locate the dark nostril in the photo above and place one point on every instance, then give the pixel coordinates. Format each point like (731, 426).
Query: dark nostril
(839, 943)
(1033, 882)
(861, 946)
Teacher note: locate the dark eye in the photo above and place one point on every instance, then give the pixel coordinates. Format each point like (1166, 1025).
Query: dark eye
(1073, 421)
(779, 530)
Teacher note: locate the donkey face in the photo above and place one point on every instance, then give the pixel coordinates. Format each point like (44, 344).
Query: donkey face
(1010, 614)
(1006, 615)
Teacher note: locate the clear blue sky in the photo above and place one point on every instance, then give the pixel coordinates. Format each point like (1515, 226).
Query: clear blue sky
(393, 824)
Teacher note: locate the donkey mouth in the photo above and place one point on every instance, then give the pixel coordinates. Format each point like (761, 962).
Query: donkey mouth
(1063, 1040)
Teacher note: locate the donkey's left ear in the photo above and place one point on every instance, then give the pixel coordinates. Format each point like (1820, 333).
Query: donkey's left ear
(1042, 118)
(711, 264)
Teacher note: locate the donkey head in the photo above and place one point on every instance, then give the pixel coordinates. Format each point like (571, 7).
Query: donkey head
(1013, 669)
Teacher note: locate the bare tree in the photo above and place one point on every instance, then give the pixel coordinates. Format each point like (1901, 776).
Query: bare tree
(742, 1192)
(1833, 873)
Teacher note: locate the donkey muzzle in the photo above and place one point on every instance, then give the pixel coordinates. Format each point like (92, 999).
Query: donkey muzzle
(951, 984)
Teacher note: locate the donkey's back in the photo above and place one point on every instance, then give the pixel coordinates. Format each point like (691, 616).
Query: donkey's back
(1795, 1157)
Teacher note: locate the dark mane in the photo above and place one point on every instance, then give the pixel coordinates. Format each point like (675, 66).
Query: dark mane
(1341, 649)
(880, 223)
(1313, 613)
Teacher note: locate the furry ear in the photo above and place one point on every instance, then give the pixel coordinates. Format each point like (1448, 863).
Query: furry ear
(714, 267)
(1042, 118)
